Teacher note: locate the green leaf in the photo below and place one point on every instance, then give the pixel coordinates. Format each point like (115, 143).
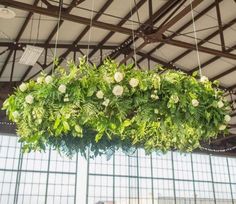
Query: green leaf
(98, 136)
(57, 122)
(66, 125)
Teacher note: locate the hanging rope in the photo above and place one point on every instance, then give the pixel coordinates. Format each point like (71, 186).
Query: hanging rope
(195, 38)
(132, 26)
(90, 30)
(57, 33)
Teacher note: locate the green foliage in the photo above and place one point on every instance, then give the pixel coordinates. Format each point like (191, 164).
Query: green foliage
(113, 106)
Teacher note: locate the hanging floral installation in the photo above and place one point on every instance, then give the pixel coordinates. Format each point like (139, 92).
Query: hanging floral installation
(111, 107)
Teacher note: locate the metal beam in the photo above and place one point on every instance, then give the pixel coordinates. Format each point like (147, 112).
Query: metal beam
(224, 73)
(220, 25)
(80, 36)
(177, 17)
(65, 16)
(197, 17)
(110, 34)
(191, 47)
(18, 37)
(159, 14)
(74, 47)
(214, 34)
(53, 32)
(203, 65)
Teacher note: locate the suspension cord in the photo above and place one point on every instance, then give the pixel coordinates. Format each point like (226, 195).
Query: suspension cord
(90, 30)
(196, 39)
(57, 33)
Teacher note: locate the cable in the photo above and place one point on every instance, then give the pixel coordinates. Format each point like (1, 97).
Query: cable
(90, 29)
(131, 14)
(57, 33)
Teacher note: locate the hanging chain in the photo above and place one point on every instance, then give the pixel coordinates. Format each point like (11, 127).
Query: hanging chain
(57, 34)
(195, 38)
(90, 29)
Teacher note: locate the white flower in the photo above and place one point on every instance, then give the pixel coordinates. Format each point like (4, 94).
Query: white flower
(153, 96)
(23, 87)
(100, 94)
(155, 91)
(48, 79)
(222, 127)
(118, 76)
(39, 121)
(195, 102)
(227, 118)
(29, 99)
(133, 82)
(106, 102)
(15, 114)
(175, 98)
(118, 90)
(156, 111)
(203, 79)
(220, 104)
(66, 99)
(40, 80)
(62, 88)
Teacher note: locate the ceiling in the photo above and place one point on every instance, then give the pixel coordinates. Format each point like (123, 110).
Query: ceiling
(147, 32)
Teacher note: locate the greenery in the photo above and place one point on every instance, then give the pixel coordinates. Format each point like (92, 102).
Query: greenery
(111, 106)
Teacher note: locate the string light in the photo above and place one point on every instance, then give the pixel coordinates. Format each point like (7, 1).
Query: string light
(218, 150)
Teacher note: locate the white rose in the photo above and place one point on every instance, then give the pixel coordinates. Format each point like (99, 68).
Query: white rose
(175, 98)
(203, 79)
(40, 80)
(48, 79)
(106, 102)
(29, 99)
(227, 118)
(153, 96)
(118, 76)
(62, 88)
(195, 102)
(156, 111)
(15, 114)
(66, 99)
(23, 87)
(100, 94)
(220, 104)
(222, 127)
(118, 90)
(133, 82)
